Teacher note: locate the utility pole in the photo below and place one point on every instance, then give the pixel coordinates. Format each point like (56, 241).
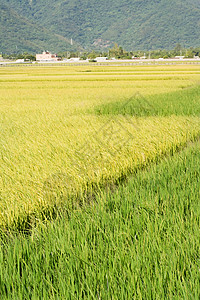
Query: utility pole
(71, 42)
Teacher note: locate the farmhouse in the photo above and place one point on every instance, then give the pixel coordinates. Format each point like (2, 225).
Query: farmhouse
(47, 56)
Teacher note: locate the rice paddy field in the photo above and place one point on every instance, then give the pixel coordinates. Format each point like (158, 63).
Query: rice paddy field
(99, 182)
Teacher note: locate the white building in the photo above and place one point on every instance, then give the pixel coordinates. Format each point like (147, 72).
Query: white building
(179, 57)
(101, 59)
(20, 60)
(47, 56)
(75, 59)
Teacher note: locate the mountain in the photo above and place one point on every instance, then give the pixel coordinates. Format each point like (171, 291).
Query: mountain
(19, 34)
(133, 24)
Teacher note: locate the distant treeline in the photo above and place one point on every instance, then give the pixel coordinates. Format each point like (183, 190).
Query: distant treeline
(117, 52)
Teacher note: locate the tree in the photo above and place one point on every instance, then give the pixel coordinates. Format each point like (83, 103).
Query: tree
(92, 55)
(178, 49)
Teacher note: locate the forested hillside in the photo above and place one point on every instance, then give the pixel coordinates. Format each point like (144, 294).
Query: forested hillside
(19, 34)
(133, 24)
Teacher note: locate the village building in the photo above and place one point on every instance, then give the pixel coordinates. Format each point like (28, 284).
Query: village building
(47, 56)
(179, 57)
(101, 59)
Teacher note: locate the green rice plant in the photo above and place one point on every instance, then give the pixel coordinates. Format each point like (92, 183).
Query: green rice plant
(185, 102)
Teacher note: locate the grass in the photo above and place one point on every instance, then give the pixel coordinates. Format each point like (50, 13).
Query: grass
(139, 242)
